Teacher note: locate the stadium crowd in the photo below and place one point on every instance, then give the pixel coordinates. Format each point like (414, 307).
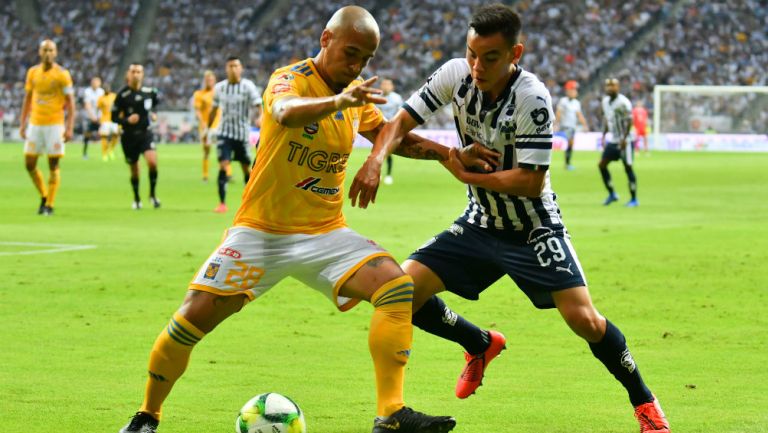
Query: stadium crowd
(564, 41)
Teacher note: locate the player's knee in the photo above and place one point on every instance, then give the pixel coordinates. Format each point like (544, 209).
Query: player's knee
(587, 323)
(30, 166)
(206, 310)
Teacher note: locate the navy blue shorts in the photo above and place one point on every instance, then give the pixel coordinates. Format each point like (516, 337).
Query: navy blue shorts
(226, 147)
(468, 259)
(613, 152)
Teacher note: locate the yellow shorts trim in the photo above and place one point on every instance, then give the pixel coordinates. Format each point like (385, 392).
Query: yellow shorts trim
(215, 291)
(351, 304)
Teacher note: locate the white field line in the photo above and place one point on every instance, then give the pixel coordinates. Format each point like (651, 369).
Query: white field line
(54, 248)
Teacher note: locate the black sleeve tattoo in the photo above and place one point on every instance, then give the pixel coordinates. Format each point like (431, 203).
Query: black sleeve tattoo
(417, 150)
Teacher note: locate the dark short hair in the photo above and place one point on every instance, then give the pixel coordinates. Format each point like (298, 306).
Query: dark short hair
(233, 58)
(497, 18)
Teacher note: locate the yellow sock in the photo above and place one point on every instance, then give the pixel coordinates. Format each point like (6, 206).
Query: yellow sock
(168, 360)
(205, 168)
(37, 179)
(104, 147)
(229, 170)
(53, 186)
(389, 341)
(112, 143)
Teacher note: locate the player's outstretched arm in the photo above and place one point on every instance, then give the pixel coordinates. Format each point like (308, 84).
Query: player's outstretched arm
(69, 107)
(25, 109)
(516, 181)
(297, 111)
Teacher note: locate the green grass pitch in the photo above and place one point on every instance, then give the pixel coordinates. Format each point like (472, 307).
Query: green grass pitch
(685, 276)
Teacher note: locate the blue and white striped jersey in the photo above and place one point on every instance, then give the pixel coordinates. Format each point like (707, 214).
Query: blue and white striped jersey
(618, 115)
(235, 101)
(518, 125)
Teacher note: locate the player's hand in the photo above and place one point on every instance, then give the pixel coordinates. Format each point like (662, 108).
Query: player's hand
(23, 132)
(68, 133)
(133, 119)
(366, 183)
(479, 158)
(360, 95)
(153, 116)
(455, 166)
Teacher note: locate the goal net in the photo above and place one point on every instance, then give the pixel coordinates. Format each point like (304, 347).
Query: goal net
(719, 118)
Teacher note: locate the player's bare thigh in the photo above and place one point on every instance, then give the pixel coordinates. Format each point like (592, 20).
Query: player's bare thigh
(426, 283)
(575, 305)
(206, 310)
(372, 275)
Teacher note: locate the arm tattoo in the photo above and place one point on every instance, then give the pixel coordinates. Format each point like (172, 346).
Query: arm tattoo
(416, 150)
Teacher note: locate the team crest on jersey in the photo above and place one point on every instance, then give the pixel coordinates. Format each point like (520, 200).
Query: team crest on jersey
(211, 271)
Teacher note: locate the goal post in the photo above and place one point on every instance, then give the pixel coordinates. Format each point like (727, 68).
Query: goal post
(729, 118)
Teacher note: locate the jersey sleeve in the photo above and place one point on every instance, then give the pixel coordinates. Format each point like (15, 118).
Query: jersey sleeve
(437, 91)
(533, 141)
(215, 101)
(155, 99)
(116, 107)
(28, 82)
(283, 84)
(66, 83)
(371, 117)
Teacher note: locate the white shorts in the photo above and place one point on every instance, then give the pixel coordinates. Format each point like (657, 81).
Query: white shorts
(251, 262)
(47, 139)
(108, 128)
(212, 136)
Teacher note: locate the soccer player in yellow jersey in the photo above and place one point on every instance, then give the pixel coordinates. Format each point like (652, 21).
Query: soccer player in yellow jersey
(290, 224)
(203, 103)
(49, 93)
(108, 130)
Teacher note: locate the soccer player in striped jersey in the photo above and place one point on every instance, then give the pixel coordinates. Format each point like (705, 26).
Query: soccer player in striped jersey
(567, 116)
(512, 224)
(394, 101)
(91, 96)
(617, 119)
(290, 224)
(49, 94)
(203, 104)
(237, 101)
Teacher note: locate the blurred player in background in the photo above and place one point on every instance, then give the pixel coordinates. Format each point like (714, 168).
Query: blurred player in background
(394, 101)
(108, 130)
(291, 224)
(237, 102)
(91, 97)
(640, 121)
(203, 104)
(135, 109)
(567, 114)
(617, 119)
(49, 93)
(512, 224)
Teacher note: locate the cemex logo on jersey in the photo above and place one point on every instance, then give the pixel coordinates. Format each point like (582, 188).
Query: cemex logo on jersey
(226, 251)
(310, 184)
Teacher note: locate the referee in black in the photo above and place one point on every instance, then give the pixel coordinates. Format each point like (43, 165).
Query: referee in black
(135, 109)
(239, 100)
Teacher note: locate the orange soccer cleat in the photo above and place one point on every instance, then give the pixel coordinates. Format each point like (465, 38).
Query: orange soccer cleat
(472, 375)
(651, 417)
(221, 208)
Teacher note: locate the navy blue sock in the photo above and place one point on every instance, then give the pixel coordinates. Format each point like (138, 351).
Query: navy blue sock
(436, 318)
(612, 351)
(606, 179)
(632, 180)
(568, 153)
(222, 186)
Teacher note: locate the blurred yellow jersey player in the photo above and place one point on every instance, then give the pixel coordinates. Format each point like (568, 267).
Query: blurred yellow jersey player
(108, 130)
(302, 169)
(202, 101)
(49, 94)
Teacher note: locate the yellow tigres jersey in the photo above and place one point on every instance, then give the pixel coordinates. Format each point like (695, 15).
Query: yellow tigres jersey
(296, 184)
(49, 89)
(104, 105)
(203, 101)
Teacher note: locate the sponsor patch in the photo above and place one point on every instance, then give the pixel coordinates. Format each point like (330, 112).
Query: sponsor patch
(280, 88)
(211, 271)
(226, 251)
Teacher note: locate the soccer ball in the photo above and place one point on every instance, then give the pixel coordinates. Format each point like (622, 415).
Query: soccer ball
(270, 413)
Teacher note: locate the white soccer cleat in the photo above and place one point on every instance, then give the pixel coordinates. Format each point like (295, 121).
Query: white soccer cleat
(136, 205)
(388, 180)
